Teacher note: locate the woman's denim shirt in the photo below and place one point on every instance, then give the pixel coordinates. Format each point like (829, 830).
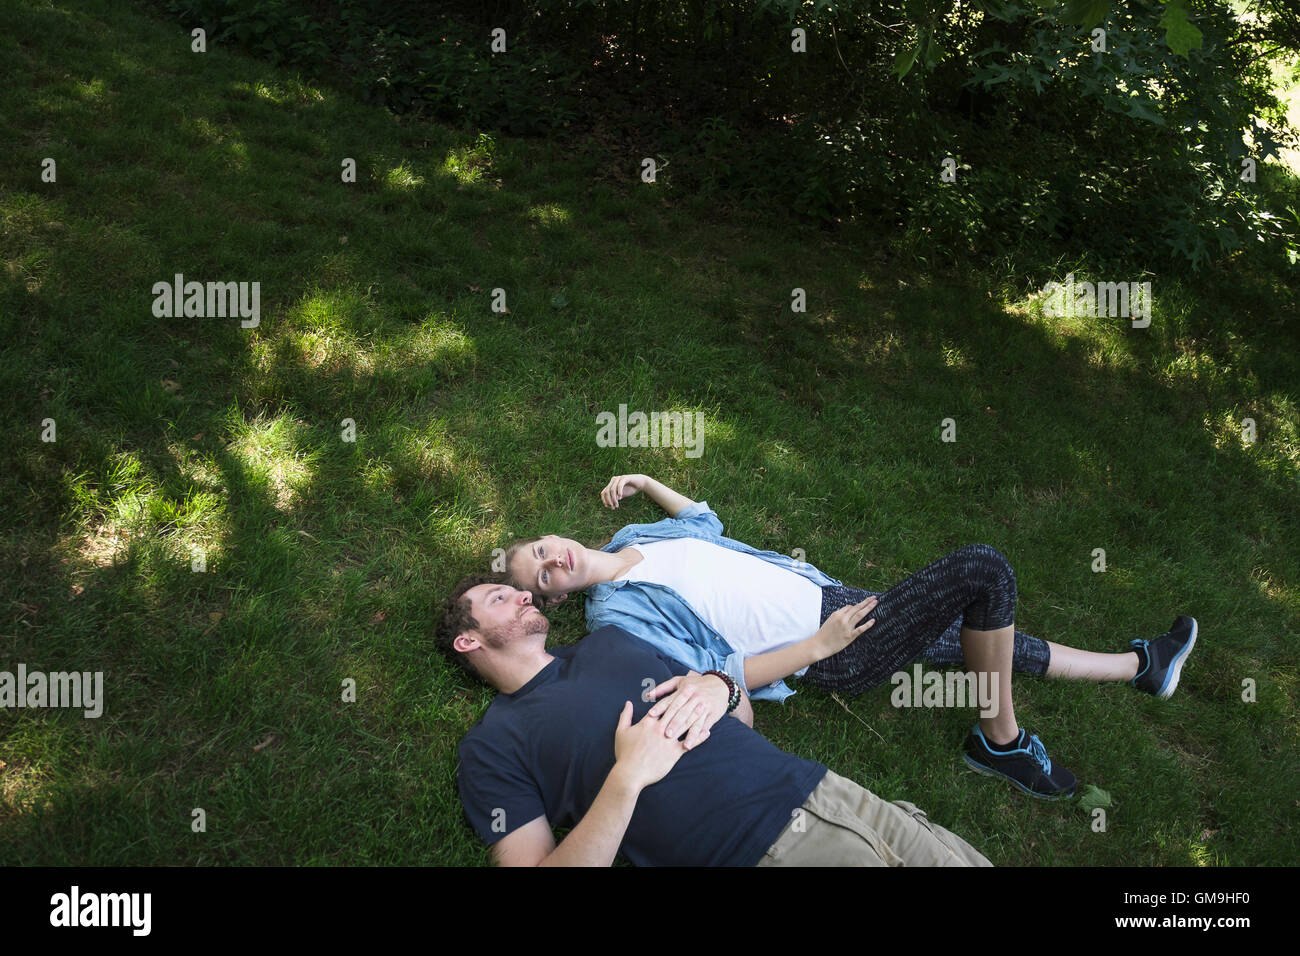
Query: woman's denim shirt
(659, 615)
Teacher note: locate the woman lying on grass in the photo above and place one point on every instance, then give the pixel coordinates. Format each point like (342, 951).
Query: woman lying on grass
(715, 603)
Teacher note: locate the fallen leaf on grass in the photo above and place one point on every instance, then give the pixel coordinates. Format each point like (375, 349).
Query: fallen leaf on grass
(1093, 797)
(270, 739)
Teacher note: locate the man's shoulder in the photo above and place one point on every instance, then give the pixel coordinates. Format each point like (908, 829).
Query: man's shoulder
(613, 639)
(607, 633)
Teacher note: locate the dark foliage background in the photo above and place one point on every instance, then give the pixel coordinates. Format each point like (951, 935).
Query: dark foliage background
(1131, 154)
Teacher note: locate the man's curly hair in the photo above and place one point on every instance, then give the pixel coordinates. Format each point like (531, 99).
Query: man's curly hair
(457, 616)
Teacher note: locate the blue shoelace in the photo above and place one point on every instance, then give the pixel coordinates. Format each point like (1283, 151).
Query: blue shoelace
(1039, 753)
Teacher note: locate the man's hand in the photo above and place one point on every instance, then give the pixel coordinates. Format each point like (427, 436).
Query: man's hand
(620, 487)
(642, 752)
(698, 702)
(841, 628)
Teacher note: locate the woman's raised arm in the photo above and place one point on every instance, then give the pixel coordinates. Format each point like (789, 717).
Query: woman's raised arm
(625, 486)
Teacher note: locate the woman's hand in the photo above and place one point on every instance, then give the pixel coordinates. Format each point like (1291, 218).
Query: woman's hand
(694, 703)
(841, 630)
(620, 487)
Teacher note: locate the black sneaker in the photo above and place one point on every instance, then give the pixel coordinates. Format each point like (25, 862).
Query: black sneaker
(1165, 657)
(1028, 766)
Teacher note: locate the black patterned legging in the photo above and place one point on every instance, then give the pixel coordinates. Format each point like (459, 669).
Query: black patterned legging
(915, 618)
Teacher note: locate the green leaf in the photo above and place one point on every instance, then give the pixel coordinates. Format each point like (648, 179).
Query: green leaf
(904, 60)
(1093, 797)
(1141, 109)
(1086, 13)
(1179, 32)
(559, 300)
(933, 53)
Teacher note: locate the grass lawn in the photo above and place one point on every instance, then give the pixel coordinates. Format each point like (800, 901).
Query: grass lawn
(325, 558)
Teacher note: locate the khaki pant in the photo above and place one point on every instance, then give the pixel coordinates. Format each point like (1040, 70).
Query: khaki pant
(843, 824)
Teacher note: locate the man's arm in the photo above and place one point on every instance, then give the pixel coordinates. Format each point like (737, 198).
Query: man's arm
(625, 486)
(593, 842)
(642, 756)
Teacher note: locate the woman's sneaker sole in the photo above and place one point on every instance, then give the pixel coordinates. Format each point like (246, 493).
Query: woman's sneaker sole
(985, 771)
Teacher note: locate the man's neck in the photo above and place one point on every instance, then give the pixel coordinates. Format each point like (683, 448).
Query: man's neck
(513, 675)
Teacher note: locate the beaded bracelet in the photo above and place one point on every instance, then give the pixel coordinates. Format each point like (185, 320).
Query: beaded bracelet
(733, 689)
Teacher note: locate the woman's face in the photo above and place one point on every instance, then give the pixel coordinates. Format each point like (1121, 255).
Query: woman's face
(552, 566)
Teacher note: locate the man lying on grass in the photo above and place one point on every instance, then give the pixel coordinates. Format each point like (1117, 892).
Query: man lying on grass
(711, 602)
(644, 757)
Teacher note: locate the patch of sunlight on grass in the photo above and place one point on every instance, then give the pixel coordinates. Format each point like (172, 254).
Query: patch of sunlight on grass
(885, 346)
(467, 163)
(289, 91)
(201, 522)
(954, 357)
(710, 429)
(103, 547)
(1227, 429)
(1283, 419)
(1266, 585)
(1108, 345)
(777, 450)
(424, 454)
(93, 90)
(378, 477)
(329, 350)
(275, 451)
(402, 177)
(1191, 367)
(331, 309)
(1069, 324)
(550, 214)
(128, 487)
(21, 785)
(439, 344)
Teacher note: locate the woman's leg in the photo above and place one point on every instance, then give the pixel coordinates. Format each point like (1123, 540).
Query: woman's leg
(978, 584)
(914, 613)
(1030, 656)
(1044, 658)
(1070, 663)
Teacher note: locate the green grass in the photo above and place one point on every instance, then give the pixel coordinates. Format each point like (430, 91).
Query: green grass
(325, 559)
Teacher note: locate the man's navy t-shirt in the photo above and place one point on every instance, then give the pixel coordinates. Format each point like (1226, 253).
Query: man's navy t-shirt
(546, 749)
